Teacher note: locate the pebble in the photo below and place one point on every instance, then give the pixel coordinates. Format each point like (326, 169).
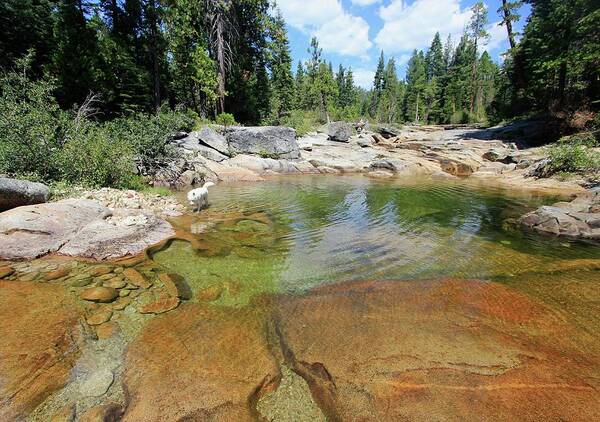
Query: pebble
(136, 278)
(29, 276)
(124, 292)
(121, 303)
(118, 270)
(80, 282)
(99, 294)
(99, 317)
(107, 330)
(210, 293)
(99, 271)
(159, 306)
(58, 273)
(115, 283)
(171, 284)
(6, 271)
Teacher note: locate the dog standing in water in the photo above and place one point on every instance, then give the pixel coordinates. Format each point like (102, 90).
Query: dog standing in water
(199, 197)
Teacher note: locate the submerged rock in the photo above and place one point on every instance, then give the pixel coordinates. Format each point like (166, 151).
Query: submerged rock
(99, 294)
(198, 363)
(41, 341)
(457, 349)
(16, 193)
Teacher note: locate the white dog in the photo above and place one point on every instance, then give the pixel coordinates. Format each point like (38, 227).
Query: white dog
(199, 197)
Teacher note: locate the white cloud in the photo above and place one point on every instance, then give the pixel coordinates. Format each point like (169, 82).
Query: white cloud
(364, 2)
(363, 77)
(337, 30)
(497, 37)
(407, 27)
(347, 35)
(303, 14)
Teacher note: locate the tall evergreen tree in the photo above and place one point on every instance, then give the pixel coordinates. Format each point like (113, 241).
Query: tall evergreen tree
(416, 85)
(377, 85)
(282, 81)
(479, 35)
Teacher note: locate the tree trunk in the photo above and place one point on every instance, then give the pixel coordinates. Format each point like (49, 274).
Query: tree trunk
(221, 61)
(508, 23)
(154, 53)
(417, 109)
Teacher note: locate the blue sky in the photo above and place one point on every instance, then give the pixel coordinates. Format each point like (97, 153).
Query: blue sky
(353, 32)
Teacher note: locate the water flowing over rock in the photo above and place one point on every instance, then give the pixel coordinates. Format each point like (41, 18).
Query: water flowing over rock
(41, 339)
(78, 227)
(276, 141)
(16, 193)
(198, 363)
(391, 351)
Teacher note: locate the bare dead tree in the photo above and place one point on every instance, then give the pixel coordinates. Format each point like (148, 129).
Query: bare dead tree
(223, 31)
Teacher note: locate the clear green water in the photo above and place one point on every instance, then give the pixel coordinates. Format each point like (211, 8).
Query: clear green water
(290, 234)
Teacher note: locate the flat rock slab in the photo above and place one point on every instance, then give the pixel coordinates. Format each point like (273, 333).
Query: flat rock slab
(198, 363)
(41, 341)
(436, 350)
(78, 227)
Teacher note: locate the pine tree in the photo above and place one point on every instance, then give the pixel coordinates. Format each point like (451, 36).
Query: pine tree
(416, 84)
(300, 83)
(509, 13)
(388, 103)
(436, 69)
(478, 33)
(282, 81)
(377, 85)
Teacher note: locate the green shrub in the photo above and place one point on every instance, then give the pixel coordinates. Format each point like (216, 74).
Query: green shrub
(30, 125)
(94, 158)
(574, 154)
(225, 119)
(302, 121)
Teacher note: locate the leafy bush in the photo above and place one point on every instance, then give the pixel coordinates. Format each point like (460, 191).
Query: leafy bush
(40, 141)
(574, 154)
(94, 158)
(302, 121)
(30, 125)
(225, 119)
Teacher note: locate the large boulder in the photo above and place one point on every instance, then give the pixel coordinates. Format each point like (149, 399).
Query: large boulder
(269, 141)
(77, 227)
(337, 131)
(211, 138)
(16, 193)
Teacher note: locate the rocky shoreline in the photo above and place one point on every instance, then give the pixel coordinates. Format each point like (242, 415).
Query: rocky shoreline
(110, 223)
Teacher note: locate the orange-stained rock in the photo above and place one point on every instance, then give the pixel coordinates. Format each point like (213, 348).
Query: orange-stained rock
(110, 412)
(161, 304)
(107, 330)
(136, 278)
(58, 273)
(99, 294)
(175, 285)
(437, 350)
(5, 271)
(40, 335)
(64, 414)
(99, 317)
(210, 293)
(99, 270)
(198, 363)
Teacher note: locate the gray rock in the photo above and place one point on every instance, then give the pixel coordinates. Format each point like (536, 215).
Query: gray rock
(77, 227)
(211, 138)
(365, 142)
(211, 154)
(575, 219)
(16, 193)
(499, 155)
(271, 141)
(337, 131)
